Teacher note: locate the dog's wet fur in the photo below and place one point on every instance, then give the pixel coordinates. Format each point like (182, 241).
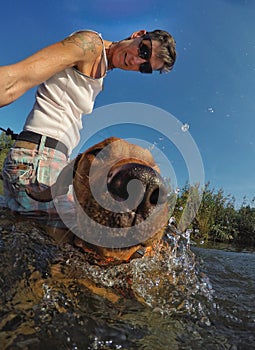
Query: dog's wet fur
(115, 162)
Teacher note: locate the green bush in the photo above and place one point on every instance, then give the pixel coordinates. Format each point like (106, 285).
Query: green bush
(5, 143)
(216, 219)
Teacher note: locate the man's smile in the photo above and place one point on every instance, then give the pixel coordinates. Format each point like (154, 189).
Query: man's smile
(125, 56)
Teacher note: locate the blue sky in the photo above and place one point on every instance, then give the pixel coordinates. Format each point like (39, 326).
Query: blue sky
(211, 88)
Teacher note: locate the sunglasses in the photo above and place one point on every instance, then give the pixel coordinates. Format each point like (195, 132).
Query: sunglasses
(144, 51)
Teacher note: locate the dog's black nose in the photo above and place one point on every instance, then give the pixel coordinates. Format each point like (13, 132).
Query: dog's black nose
(139, 181)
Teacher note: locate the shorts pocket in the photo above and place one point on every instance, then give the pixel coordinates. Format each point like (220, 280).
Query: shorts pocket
(18, 174)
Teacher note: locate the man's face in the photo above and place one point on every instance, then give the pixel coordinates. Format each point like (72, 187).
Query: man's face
(136, 54)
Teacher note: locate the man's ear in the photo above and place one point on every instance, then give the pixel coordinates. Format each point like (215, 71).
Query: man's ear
(138, 34)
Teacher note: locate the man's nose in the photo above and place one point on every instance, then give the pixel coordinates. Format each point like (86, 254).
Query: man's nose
(137, 60)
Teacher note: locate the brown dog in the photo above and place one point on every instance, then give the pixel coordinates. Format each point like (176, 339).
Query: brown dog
(120, 197)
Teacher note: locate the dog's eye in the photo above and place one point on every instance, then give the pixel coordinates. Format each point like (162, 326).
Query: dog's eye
(94, 152)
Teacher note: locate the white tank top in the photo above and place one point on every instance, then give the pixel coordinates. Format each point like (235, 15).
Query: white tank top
(60, 103)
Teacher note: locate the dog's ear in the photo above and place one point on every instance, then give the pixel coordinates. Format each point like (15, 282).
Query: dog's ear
(42, 193)
(39, 192)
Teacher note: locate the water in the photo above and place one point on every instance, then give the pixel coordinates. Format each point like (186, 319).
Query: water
(232, 275)
(178, 298)
(185, 127)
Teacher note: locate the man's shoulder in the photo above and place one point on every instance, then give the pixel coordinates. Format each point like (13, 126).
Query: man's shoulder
(89, 41)
(87, 33)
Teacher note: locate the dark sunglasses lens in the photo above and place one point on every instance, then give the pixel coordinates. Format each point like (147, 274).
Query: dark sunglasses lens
(145, 67)
(145, 52)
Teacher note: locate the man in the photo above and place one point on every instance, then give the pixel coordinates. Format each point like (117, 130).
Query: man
(70, 75)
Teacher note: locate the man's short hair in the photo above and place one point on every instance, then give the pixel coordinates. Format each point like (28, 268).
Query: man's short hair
(167, 51)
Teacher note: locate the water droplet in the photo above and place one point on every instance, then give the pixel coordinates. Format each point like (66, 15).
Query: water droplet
(185, 127)
(151, 147)
(158, 310)
(172, 220)
(210, 109)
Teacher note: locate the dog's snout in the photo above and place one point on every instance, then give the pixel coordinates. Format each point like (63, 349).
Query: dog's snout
(148, 184)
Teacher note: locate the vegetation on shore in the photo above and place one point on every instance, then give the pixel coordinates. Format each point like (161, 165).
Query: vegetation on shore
(5, 143)
(217, 219)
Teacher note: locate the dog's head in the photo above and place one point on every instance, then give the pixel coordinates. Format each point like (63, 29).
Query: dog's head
(121, 198)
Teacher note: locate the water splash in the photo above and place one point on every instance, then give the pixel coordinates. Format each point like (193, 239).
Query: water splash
(170, 281)
(177, 190)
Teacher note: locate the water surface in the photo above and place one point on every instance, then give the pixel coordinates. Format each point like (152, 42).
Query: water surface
(179, 298)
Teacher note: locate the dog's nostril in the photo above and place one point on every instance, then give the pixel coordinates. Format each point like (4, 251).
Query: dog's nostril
(158, 195)
(154, 197)
(139, 182)
(118, 187)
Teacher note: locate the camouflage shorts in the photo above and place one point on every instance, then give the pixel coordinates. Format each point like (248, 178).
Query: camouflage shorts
(22, 167)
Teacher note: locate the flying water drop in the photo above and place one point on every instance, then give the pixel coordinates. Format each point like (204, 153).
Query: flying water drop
(185, 127)
(210, 110)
